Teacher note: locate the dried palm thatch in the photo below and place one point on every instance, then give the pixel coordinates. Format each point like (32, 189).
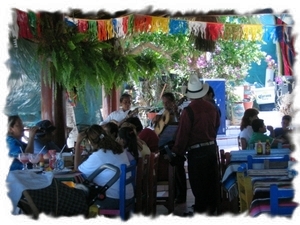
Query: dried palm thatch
(285, 104)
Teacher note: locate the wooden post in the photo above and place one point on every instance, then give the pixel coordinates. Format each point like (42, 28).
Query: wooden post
(110, 102)
(59, 116)
(53, 109)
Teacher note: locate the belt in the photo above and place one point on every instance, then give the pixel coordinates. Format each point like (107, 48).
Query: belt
(202, 144)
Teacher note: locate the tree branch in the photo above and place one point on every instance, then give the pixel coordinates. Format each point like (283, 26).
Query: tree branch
(142, 47)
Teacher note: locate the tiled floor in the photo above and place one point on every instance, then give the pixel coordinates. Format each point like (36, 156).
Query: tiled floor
(180, 209)
(186, 209)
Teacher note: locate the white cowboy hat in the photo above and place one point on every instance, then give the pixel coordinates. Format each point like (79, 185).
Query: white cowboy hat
(196, 89)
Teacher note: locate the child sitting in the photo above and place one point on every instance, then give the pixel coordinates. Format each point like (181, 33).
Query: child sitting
(259, 130)
(284, 131)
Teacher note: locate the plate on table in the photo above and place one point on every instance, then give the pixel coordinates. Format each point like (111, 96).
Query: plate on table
(63, 171)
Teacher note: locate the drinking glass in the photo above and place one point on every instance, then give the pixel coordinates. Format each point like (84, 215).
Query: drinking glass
(24, 159)
(34, 159)
(59, 162)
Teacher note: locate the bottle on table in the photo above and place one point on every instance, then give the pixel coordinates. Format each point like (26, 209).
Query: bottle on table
(42, 161)
(268, 147)
(259, 148)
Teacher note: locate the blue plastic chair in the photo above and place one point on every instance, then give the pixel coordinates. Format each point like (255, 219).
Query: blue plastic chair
(124, 210)
(262, 160)
(284, 208)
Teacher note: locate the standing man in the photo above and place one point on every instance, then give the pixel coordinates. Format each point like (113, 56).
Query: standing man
(196, 135)
(172, 110)
(210, 96)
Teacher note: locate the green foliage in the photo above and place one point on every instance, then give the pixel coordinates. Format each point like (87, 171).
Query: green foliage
(74, 59)
(231, 60)
(170, 49)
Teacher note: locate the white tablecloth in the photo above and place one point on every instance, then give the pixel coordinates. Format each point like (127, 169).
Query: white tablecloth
(20, 180)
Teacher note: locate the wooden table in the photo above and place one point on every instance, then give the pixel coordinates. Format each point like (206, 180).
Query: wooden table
(229, 179)
(240, 156)
(254, 187)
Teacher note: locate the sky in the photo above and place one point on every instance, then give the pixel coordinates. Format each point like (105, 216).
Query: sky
(241, 7)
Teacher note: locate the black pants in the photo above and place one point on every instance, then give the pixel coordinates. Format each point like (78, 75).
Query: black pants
(203, 177)
(180, 182)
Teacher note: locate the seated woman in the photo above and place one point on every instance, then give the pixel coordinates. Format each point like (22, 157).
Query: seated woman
(145, 134)
(105, 150)
(128, 139)
(111, 129)
(245, 127)
(14, 142)
(143, 148)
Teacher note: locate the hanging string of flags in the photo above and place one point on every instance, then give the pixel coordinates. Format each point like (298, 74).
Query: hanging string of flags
(105, 29)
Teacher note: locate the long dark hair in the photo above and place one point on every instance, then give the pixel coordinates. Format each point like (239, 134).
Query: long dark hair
(112, 127)
(136, 122)
(100, 139)
(246, 118)
(169, 95)
(130, 138)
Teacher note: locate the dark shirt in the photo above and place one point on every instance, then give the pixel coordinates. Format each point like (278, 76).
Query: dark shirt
(203, 128)
(151, 139)
(282, 134)
(278, 132)
(219, 111)
(217, 107)
(38, 145)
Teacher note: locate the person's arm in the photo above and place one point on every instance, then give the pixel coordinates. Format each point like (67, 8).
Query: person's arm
(243, 143)
(30, 143)
(271, 129)
(77, 157)
(156, 118)
(275, 141)
(107, 119)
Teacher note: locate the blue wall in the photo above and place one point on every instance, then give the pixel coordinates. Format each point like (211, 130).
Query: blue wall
(258, 72)
(219, 88)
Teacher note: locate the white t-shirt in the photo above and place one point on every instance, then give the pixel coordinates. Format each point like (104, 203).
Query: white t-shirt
(183, 105)
(246, 133)
(117, 115)
(95, 160)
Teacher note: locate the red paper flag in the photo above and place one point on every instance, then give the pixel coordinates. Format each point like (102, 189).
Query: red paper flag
(214, 31)
(142, 23)
(83, 26)
(22, 20)
(102, 36)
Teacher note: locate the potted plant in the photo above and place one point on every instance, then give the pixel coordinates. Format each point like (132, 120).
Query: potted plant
(234, 107)
(249, 96)
(248, 103)
(270, 70)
